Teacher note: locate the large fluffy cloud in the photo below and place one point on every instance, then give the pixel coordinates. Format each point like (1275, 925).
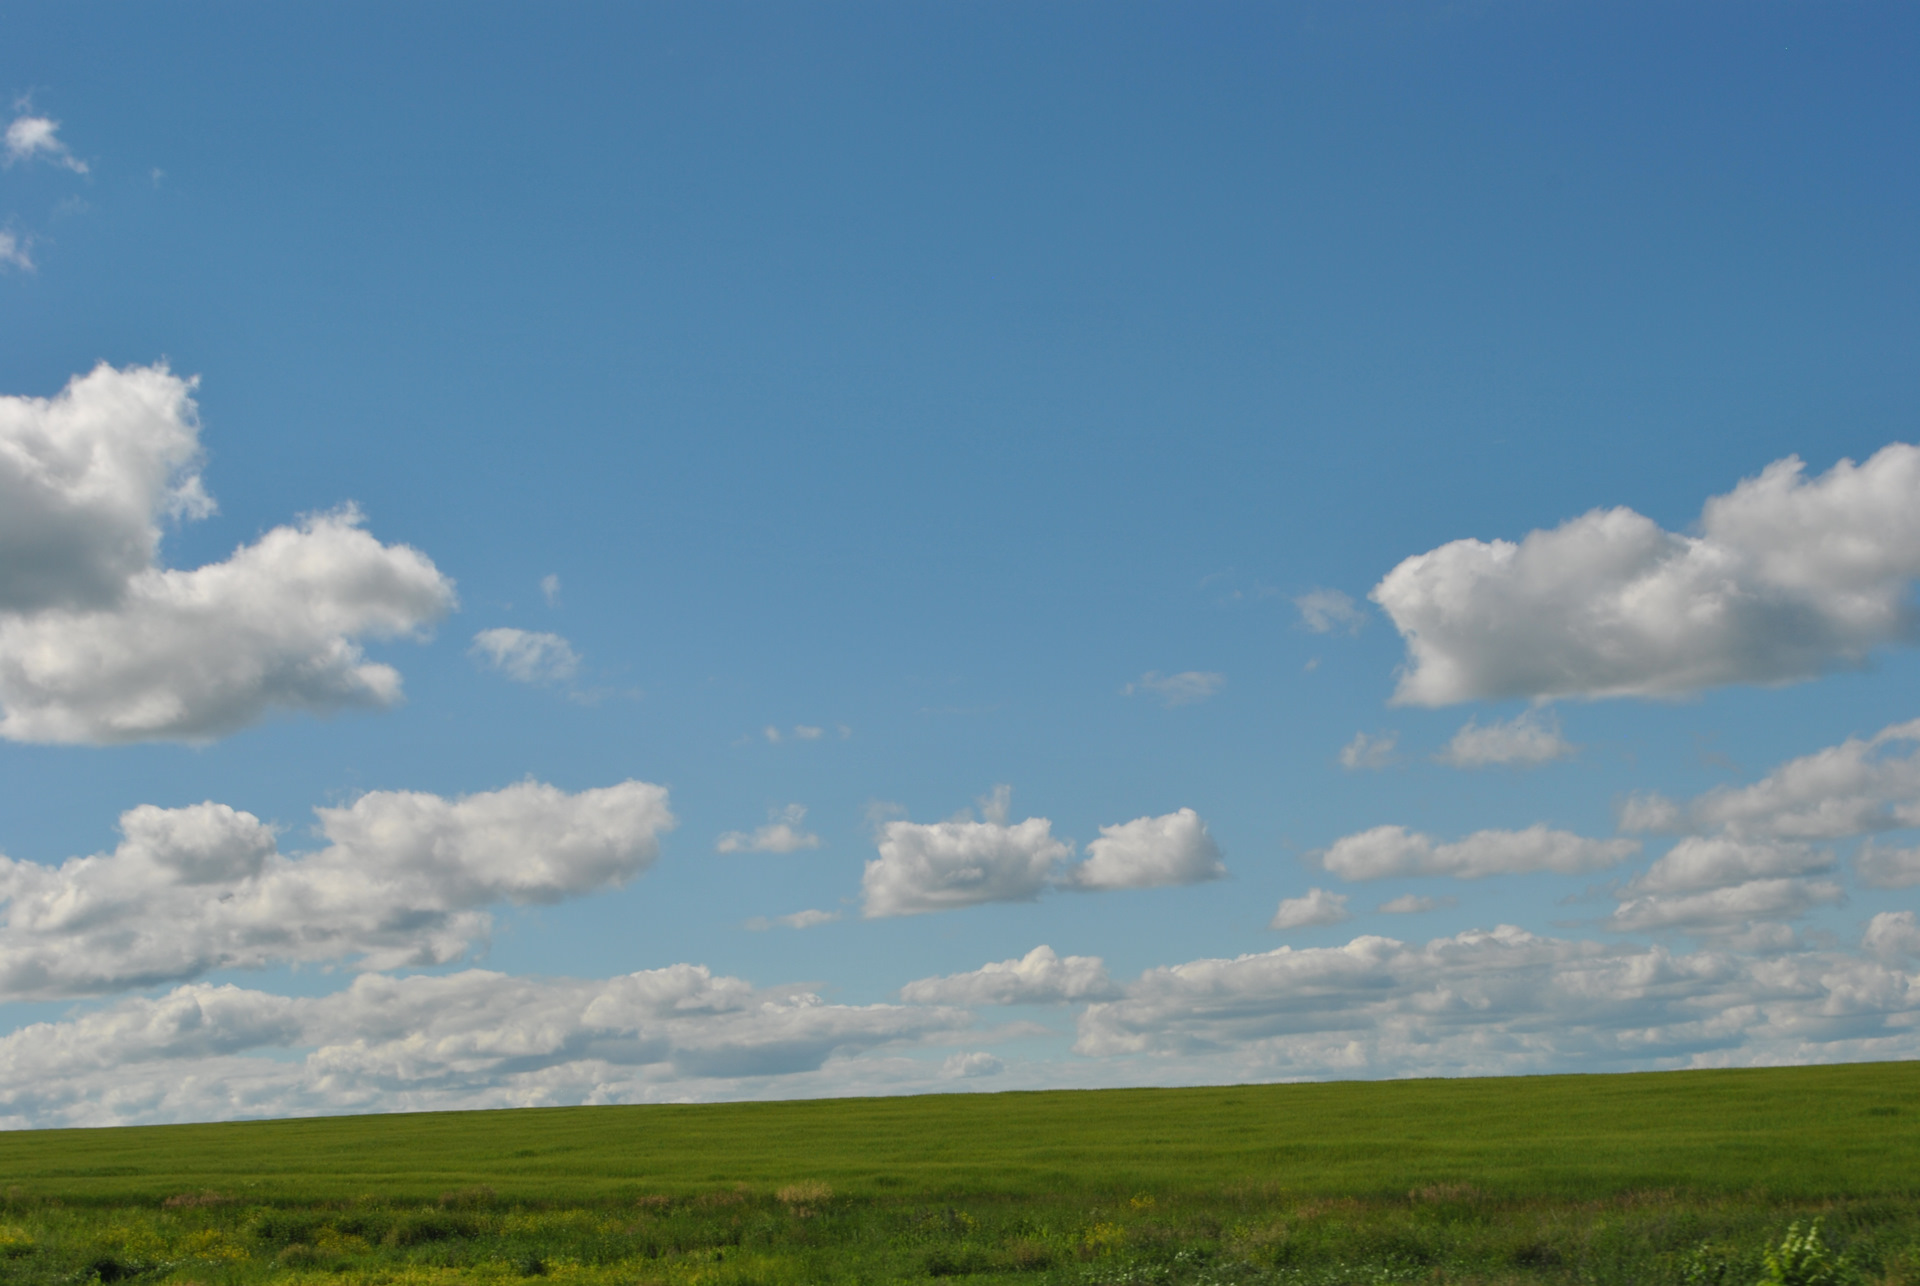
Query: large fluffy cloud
(471, 1039)
(1858, 787)
(1038, 978)
(1507, 1001)
(1149, 852)
(101, 644)
(944, 865)
(405, 880)
(1386, 851)
(1788, 577)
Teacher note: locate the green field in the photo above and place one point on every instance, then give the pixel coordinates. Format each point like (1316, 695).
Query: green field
(1662, 1177)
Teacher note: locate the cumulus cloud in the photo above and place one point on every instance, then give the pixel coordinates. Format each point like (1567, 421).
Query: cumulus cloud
(525, 656)
(1789, 578)
(99, 644)
(1698, 863)
(468, 1040)
(1859, 787)
(977, 1063)
(13, 252)
(1318, 907)
(1887, 868)
(1365, 753)
(1180, 689)
(1892, 935)
(1328, 611)
(1503, 1001)
(405, 880)
(31, 137)
(1394, 850)
(1149, 852)
(1525, 741)
(943, 866)
(782, 834)
(1724, 910)
(1038, 978)
(1413, 904)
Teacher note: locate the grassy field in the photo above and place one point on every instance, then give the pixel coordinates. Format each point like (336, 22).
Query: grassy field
(1666, 1177)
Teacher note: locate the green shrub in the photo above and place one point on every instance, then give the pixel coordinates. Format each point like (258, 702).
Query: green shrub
(1802, 1259)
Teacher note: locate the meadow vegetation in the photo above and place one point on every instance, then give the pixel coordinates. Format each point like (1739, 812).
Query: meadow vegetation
(1789, 1177)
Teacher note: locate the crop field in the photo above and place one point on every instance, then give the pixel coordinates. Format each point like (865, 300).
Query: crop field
(1683, 1177)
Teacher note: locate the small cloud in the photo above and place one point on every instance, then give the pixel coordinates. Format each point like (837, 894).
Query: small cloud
(1318, 907)
(772, 734)
(1651, 813)
(805, 733)
(1369, 753)
(1180, 689)
(38, 136)
(993, 805)
(977, 1063)
(1313, 663)
(798, 920)
(550, 589)
(13, 253)
(157, 174)
(1523, 742)
(782, 834)
(525, 656)
(1328, 611)
(844, 731)
(1413, 904)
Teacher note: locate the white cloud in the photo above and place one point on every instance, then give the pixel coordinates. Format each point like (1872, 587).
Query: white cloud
(1698, 863)
(1855, 788)
(28, 137)
(404, 881)
(1038, 978)
(977, 1063)
(1149, 852)
(1502, 1002)
(525, 656)
(99, 644)
(1892, 935)
(13, 252)
(1317, 908)
(1788, 578)
(1394, 850)
(1413, 904)
(1184, 688)
(1365, 753)
(797, 920)
(806, 732)
(1526, 741)
(1327, 611)
(946, 865)
(1887, 868)
(1721, 910)
(550, 589)
(469, 1040)
(780, 835)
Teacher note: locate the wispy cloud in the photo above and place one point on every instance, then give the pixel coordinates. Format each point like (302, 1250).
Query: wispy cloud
(1369, 753)
(781, 834)
(525, 656)
(1184, 688)
(1526, 741)
(31, 138)
(1328, 611)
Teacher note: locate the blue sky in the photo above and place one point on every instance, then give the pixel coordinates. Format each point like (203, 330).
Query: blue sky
(975, 396)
